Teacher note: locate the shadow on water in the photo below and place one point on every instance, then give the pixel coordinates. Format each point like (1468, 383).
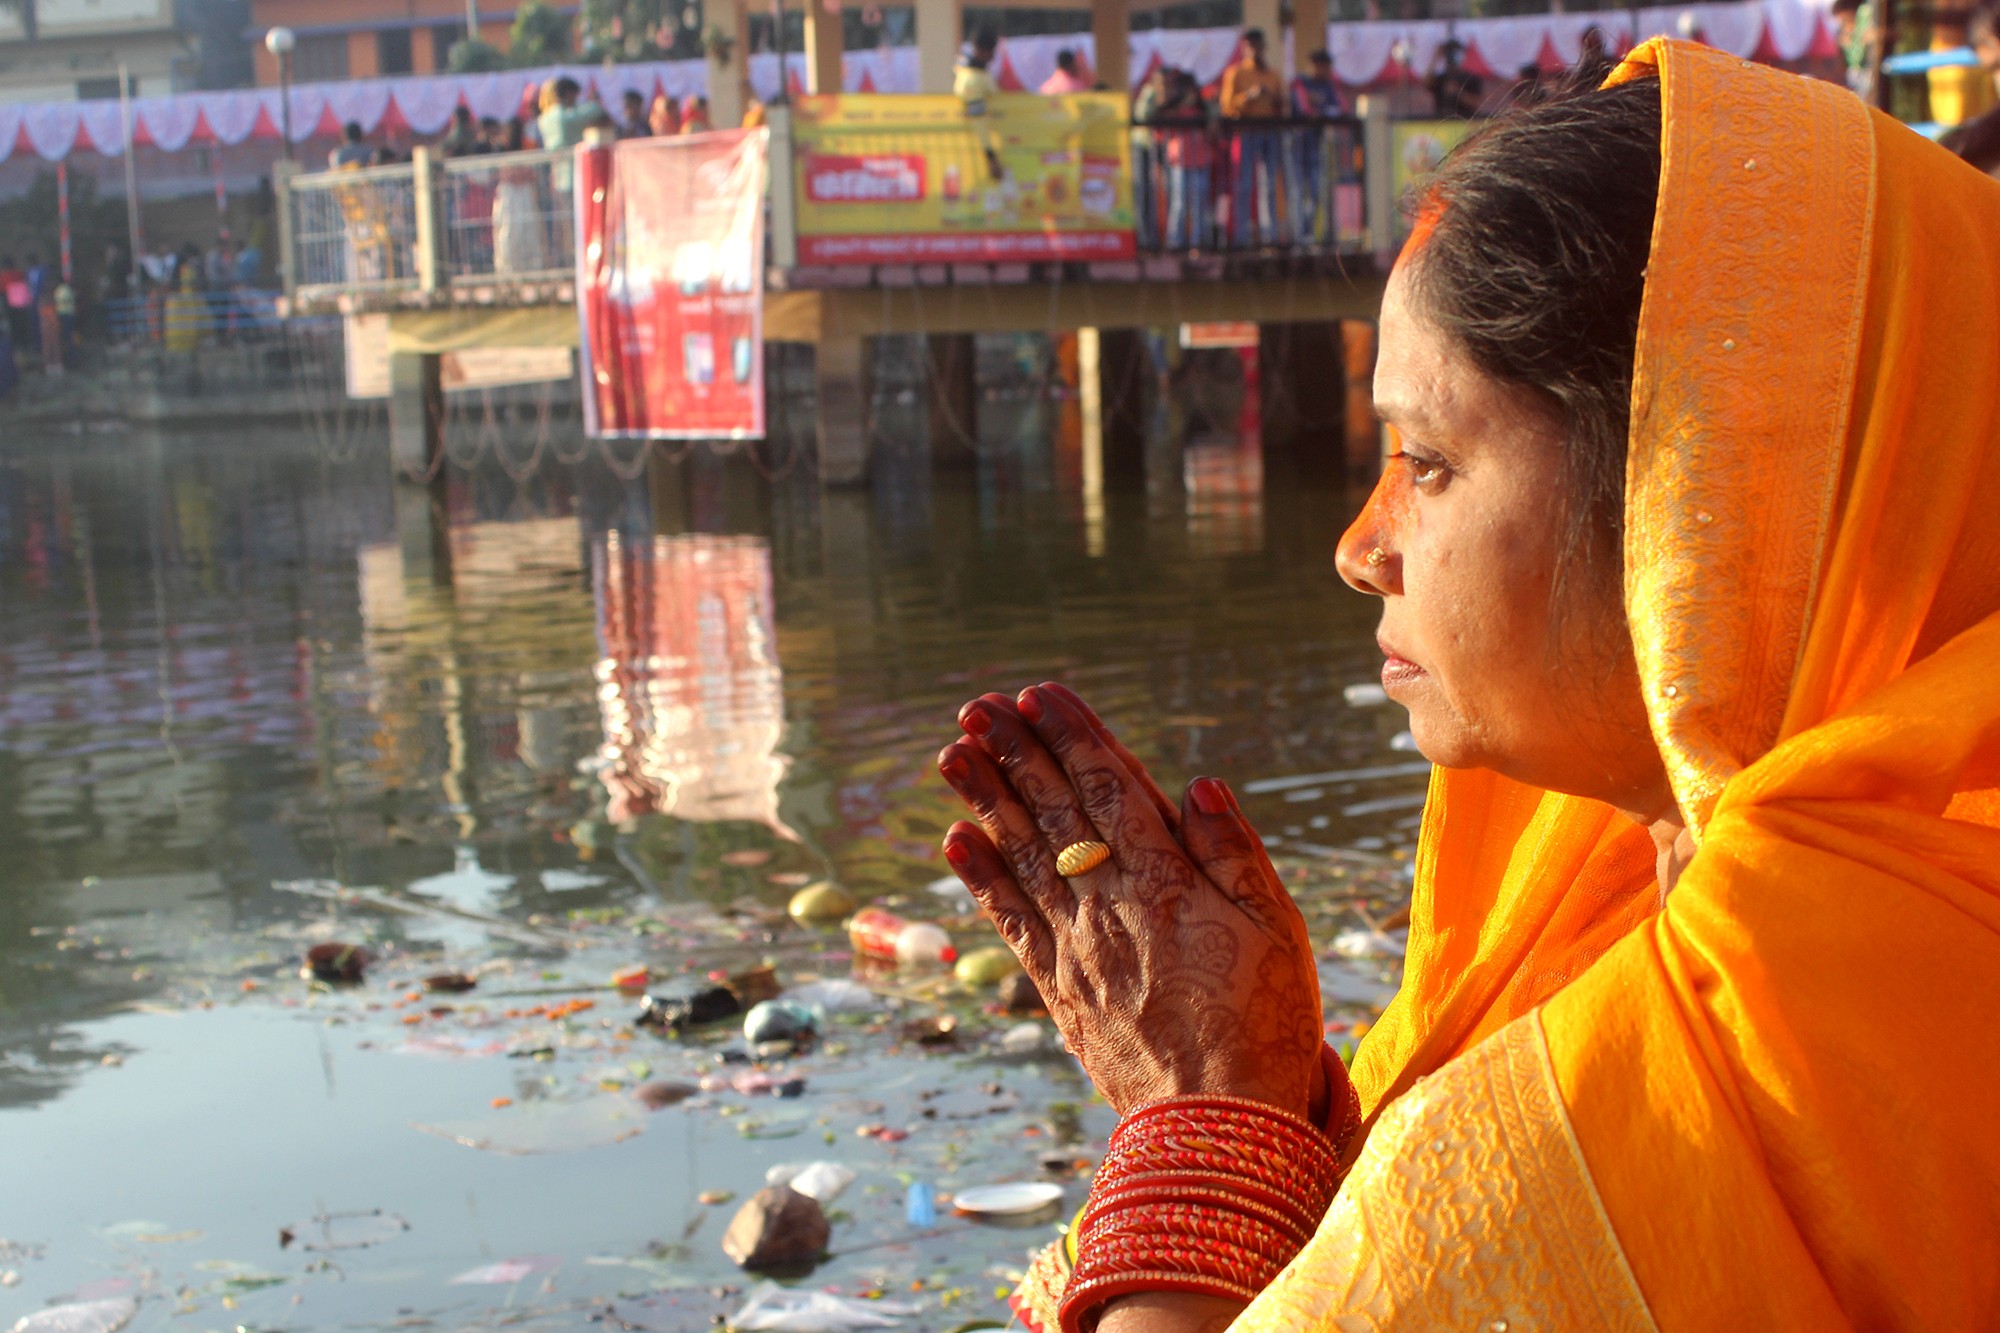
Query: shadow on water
(638, 716)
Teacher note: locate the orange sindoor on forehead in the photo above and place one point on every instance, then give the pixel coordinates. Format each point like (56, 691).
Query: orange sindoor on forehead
(1421, 227)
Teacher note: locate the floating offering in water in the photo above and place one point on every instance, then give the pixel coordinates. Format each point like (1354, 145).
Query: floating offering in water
(1026, 1196)
(820, 903)
(986, 967)
(335, 963)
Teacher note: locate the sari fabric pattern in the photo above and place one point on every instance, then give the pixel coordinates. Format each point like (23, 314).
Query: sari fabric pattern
(1780, 1084)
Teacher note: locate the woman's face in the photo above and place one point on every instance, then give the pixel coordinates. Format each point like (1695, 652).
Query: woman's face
(1501, 665)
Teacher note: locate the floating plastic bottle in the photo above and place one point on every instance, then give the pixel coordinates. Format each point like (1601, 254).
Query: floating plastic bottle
(885, 935)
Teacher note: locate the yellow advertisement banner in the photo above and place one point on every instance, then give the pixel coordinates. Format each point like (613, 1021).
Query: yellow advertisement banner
(913, 179)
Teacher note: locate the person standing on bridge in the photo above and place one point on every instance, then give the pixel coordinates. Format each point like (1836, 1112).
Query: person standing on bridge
(352, 151)
(1252, 92)
(1315, 100)
(1068, 77)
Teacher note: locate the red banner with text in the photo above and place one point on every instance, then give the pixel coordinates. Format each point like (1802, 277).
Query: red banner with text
(670, 286)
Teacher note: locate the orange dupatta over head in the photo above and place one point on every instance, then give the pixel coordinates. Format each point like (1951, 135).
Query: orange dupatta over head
(1775, 1101)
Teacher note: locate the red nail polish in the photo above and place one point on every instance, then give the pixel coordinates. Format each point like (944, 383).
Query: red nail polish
(1031, 705)
(954, 768)
(977, 721)
(1210, 797)
(958, 854)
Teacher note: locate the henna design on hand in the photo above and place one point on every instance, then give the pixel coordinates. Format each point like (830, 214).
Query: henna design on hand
(1181, 964)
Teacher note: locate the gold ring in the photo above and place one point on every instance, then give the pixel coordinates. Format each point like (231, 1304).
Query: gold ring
(1080, 858)
(1378, 558)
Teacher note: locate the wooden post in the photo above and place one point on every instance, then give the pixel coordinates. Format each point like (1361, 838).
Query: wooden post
(1269, 16)
(1111, 35)
(424, 180)
(1378, 178)
(951, 393)
(288, 264)
(416, 458)
(728, 78)
(1308, 33)
(1302, 383)
(940, 28)
(1112, 370)
(1364, 435)
(783, 190)
(840, 374)
(823, 46)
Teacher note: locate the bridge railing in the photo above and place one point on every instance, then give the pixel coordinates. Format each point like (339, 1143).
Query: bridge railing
(417, 230)
(1256, 186)
(508, 215)
(352, 230)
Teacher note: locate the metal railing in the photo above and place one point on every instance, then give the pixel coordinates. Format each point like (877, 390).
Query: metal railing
(179, 321)
(1242, 187)
(508, 215)
(354, 229)
(1250, 186)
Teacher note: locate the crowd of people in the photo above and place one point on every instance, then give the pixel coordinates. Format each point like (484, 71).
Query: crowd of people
(1262, 150)
(561, 118)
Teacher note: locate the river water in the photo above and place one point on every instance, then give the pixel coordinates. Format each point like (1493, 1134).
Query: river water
(235, 722)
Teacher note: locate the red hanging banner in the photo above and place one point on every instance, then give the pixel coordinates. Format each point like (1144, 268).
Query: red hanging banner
(670, 286)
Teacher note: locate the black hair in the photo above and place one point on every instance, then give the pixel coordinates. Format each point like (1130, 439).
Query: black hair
(1253, 34)
(567, 87)
(352, 131)
(1066, 60)
(1540, 228)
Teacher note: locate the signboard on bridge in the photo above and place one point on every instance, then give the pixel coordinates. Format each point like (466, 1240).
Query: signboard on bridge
(900, 179)
(670, 286)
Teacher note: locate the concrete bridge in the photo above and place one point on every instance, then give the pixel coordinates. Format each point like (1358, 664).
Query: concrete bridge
(409, 241)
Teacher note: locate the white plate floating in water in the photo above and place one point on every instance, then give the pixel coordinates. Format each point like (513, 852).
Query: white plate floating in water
(1025, 1196)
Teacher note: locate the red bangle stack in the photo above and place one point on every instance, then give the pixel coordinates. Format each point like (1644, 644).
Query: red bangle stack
(1207, 1194)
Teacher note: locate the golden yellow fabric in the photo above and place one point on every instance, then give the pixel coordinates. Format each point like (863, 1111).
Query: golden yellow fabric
(1785, 1083)
(1456, 1221)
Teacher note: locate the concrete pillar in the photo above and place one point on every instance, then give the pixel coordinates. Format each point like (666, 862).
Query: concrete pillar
(728, 79)
(1111, 34)
(1268, 15)
(940, 29)
(823, 46)
(951, 392)
(1308, 33)
(669, 494)
(840, 376)
(417, 465)
(1302, 380)
(1113, 370)
(1364, 443)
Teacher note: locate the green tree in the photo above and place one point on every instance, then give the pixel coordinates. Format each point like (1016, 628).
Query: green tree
(29, 223)
(641, 29)
(471, 56)
(540, 36)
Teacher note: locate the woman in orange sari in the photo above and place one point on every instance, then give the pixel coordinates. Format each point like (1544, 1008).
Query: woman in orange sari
(1690, 575)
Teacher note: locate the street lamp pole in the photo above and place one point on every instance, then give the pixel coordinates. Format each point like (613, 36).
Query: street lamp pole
(280, 42)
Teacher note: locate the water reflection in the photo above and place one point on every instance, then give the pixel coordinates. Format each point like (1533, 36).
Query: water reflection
(655, 698)
(688, 681)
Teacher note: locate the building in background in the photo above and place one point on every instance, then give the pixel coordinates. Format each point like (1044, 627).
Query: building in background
(360, 39)
(78, 46)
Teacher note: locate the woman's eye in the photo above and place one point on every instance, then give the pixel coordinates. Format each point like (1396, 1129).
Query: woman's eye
(1426, 474)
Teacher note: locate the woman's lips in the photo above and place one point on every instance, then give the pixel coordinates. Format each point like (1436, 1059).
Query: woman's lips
(1397, 670)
